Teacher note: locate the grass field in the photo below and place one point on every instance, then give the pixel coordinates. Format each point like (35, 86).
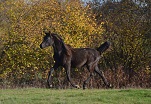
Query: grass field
(75, 96)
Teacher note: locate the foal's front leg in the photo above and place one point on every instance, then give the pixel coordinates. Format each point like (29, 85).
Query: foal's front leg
(67, 68)
(49, 80)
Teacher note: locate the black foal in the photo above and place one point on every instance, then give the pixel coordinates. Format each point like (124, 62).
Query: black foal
(68, 57)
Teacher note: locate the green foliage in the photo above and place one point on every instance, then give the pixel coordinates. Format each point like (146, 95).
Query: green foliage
(127, 26)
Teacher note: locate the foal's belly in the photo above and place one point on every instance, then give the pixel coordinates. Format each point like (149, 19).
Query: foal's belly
(78, 63)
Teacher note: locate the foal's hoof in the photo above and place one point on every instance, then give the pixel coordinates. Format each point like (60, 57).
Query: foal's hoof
(77, 86)
(110, 86)
(49, 86)
(84, 87)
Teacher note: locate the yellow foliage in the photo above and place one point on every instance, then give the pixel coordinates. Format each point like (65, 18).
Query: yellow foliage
(23, 30)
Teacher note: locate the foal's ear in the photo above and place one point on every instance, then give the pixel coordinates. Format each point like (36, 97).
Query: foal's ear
(48, 33)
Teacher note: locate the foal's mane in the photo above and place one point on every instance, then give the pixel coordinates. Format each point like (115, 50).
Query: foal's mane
(67, 48)
(57, 37)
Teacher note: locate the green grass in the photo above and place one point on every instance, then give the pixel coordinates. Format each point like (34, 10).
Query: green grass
(75, 96)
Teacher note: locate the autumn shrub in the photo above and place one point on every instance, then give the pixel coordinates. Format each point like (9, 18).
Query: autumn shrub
(22, 61)
(127, 27)
(125, 24)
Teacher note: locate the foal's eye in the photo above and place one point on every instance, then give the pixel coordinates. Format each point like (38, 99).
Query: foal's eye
(45, 38)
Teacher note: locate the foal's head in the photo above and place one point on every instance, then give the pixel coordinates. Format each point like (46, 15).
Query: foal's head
(50, 39)
(47, 40)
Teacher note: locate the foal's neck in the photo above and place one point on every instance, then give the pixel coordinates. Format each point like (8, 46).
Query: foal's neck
(58, 48)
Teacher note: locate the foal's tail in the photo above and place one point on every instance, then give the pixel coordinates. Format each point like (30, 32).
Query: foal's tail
(103, 47)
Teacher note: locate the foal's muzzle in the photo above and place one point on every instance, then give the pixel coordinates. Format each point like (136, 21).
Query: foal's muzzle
(41, 46)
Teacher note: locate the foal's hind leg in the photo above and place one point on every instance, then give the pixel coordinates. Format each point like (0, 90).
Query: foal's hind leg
(88, 79)
(102, 76)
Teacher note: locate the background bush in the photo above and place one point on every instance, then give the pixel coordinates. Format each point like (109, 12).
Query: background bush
(125, 24)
